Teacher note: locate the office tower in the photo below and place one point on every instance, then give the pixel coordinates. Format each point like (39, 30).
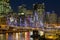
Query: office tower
(22, 8)
(29, 12)
(47, 17)
(4, 7)
(29, 17)
(39, 11)
(36, 20)
(40, 8)
(22, 20)
(21, 13)
(53, 18)
(35, 15)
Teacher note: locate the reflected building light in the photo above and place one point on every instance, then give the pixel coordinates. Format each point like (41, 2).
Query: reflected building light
(27, 35)
(16, 36)
(41, 33)
(31, 33)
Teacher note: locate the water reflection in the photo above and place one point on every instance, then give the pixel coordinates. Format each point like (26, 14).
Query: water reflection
(9, 36)
(13, 36)
(18, 36)
(2, 37)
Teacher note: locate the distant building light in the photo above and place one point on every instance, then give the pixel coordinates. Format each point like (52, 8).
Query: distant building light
(41, 33)
(19, 13)
(11, 19)
(14, 29)
(22, 13)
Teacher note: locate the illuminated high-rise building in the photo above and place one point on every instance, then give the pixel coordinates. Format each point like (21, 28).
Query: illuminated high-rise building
(22, 13)
(40, 8)
(21, 9)
(39, 13)
(53, 18)
(47, 17)
(29, 13)
(25, 15)
(4, 6)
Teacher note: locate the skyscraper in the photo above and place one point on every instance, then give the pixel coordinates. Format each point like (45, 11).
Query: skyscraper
(22, 8)
(53, 18)
(39, 7)
(4, 6)
(39, 12)
(47, 17)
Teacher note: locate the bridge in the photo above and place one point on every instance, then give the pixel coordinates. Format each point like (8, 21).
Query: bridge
(7, 28)
(48, 31)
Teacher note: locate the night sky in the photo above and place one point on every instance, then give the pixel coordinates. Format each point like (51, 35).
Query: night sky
(50, 5)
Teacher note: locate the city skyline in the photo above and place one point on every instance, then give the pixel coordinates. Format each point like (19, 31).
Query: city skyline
(50, 5)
